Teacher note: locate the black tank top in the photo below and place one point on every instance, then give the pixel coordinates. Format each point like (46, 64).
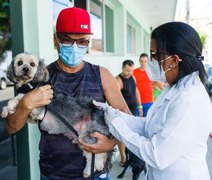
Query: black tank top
(129, 93)
(59, 158)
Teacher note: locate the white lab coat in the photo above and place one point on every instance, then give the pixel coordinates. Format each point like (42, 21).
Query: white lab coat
(172, 139)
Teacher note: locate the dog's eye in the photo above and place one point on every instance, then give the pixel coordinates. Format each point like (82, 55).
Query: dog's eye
(20, 63)
(32, 64)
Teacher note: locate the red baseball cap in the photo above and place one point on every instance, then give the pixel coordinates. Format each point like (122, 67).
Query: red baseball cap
(73, 20)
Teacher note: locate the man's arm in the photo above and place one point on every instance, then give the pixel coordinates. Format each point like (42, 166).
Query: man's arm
(115, 99)
(159, 84)
(138, 99)
(36, 98)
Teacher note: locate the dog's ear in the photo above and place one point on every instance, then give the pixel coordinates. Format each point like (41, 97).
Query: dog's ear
(45, 73)
(11, 72)
(42, 74)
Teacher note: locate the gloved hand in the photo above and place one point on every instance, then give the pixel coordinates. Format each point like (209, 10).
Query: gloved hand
(136, 124)
(109, 112)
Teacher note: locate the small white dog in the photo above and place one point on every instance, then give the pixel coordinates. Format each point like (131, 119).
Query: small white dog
(28, 72)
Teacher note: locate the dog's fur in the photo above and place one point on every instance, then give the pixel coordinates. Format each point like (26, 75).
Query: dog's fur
(79, 112)
(135, 163)
(85, 118)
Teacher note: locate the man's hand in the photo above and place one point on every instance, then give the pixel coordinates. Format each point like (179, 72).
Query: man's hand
(38, 97)
(103, 144)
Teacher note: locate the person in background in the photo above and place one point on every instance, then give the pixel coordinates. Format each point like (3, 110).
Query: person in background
(128, 87)
(129, 90)
(144, 84)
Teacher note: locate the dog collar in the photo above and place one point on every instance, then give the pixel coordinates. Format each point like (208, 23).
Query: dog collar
(27, 87)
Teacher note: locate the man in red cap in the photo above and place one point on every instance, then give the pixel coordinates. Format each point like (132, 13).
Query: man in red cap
(70, 75)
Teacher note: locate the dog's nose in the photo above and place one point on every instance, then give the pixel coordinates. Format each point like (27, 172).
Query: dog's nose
(26, 69)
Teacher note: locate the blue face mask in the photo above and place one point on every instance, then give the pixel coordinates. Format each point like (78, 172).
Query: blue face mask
(72, 55)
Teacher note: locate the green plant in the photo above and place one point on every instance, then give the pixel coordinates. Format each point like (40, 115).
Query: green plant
(203, 37)
(5, 32)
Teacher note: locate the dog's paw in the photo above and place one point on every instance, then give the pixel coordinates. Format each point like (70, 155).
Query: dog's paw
(100, 168)
(86, 172)
(38, 113)
(100, 160)
(34, 112)
(41, 115)
(5, 112)
(12, 104)
(12, 110)
(99, 165)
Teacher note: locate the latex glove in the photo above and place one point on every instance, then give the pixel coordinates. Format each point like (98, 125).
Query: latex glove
(112, 113)
(103, 106)
(109, 112)
(136, 124)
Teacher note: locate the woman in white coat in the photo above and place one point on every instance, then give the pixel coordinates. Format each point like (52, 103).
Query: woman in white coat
(172, 139)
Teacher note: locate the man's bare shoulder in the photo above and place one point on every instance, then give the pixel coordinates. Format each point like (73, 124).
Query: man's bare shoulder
(118, 78)
(108, 80)
(104, 71)
(106, 74)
